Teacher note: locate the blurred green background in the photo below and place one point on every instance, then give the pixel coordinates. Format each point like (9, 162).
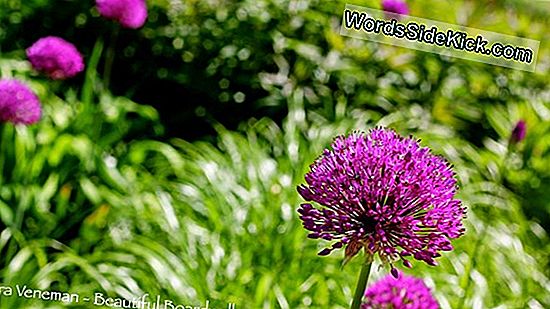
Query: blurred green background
(174, 172)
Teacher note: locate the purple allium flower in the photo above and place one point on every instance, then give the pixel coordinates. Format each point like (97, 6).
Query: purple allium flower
(18, 104)
(55, 57)
(518, 133)
(395, 6)
(384, 193)
(406, 292)
(129, 13)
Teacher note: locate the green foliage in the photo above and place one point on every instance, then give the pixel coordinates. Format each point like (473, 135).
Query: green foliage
(196, 221)
(59, 181)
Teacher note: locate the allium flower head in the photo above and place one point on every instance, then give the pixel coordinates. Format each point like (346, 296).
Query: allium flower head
(129, 13)
(384, 193)
(55, 57)
(18, 104)
(395, 6)
(518, 133)
(406, 292)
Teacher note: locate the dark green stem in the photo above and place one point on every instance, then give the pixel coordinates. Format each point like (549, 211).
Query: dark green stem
(110, 57)
(362, 282)
(91, 73)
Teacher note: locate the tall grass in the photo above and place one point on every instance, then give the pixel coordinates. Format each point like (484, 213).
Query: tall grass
(216, 221)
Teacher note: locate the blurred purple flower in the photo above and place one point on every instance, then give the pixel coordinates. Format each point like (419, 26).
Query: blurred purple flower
(406, 292)
(55, 57)
(18, 104)
(518, 133)
(395, 6)
(384, 193)
(129, 13)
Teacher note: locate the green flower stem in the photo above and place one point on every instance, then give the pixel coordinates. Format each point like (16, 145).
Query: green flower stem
(362, 282)
(110, 57)
(86, 115)
(91, 73)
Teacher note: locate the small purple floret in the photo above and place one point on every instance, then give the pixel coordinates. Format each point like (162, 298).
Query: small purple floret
(55, 57)
(404, 293)
(129, 13)
(18, 104)
(395, 6)
(385, 194)
(518, 133)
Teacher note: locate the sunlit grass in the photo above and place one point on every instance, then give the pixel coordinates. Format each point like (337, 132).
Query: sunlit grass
(198, 221)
